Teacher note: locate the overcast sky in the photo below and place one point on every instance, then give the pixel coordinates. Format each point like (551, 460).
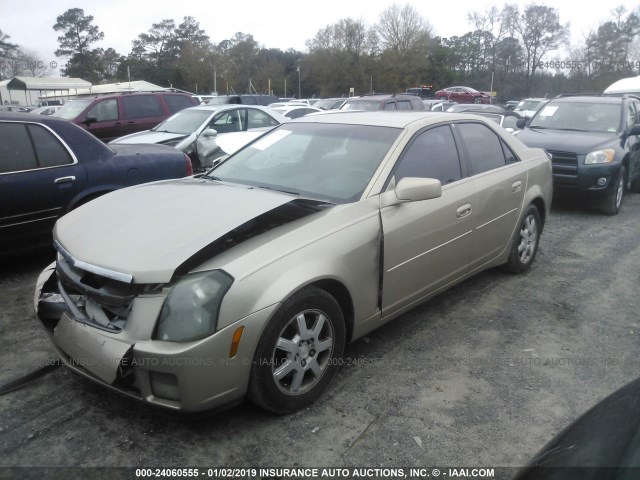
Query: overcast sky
(279, 24)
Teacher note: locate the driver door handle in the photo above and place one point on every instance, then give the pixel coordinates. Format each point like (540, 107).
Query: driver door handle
(463, 210)
(516, 186)
(68, 179)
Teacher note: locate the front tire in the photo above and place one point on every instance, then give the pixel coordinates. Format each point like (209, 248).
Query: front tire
(525, 244)
(477, 100)
(613, 200)
(297, 355)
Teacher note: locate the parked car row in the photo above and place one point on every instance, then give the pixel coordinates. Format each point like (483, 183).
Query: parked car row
(318, 197)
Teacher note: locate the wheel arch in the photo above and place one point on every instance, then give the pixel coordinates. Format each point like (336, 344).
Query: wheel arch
(341, 294)
(625, 163)
(539, 203)
(88, 195)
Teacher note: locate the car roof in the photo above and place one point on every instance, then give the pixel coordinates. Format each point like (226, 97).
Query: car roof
(288, 108)
(32, 117)
(381, 96)
(384, 118)
(587, 99)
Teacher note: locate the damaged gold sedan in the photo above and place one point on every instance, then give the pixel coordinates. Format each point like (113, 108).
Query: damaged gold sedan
(309, 237)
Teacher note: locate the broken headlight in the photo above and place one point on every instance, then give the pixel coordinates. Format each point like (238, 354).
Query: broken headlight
(190, 311)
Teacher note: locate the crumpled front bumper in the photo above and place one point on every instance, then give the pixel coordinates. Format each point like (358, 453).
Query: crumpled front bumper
(191, 376)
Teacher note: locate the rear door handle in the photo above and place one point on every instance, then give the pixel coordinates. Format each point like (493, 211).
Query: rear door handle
(68, 179)
(516, 186)
(463, 210)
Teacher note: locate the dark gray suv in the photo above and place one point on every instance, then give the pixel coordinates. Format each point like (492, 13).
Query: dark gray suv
(247, 99)
(594, 144)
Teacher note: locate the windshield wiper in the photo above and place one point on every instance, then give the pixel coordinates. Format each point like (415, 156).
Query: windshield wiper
(210, 177)
(279, 190)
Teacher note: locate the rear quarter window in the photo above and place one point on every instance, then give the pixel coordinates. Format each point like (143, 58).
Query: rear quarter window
(49, 150)
(142, 106)
(175, 103)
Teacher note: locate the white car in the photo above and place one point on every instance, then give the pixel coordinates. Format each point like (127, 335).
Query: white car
(295, 111)
(195, 130)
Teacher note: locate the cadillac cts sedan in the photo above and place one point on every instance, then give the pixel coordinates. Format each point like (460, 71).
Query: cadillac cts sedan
(315, 233)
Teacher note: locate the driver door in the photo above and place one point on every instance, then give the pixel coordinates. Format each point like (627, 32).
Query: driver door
(427, 244)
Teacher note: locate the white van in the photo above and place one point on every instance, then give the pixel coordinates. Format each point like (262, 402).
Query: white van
(626, 85)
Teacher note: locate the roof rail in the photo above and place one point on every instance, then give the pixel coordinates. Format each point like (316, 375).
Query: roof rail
(578, 95)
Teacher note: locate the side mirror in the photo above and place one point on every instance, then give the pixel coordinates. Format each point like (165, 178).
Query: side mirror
(521, 123)
(411, 189)
(90, 120)
(209, 132)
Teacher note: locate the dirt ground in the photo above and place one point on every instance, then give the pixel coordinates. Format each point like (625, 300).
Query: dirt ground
(482, 376)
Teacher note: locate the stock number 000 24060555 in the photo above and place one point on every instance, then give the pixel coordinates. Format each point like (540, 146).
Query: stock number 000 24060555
(195, 472)
(593, 64)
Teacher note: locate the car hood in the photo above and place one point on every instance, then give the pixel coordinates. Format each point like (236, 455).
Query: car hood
(566, 140)
(149, 231)
(149, 136)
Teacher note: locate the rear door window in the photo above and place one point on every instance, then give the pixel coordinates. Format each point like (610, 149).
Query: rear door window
(260, 119)
(141, 106)
(49, 150)
(29, 146)
(483, 147)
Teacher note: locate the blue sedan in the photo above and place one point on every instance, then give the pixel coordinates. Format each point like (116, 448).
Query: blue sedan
(49, 166)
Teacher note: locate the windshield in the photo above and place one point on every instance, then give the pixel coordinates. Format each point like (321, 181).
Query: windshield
(73, 108)
(528, 104)
(184, 122)
(331, 162)
(368, 105)
(220, 101)
(581, 116)
(325, 104)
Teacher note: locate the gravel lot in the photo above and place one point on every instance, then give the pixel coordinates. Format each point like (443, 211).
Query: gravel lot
(481, 376)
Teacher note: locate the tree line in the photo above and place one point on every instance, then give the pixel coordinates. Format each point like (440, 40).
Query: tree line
(511, 50)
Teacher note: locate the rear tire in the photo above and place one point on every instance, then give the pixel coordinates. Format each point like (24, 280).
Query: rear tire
(524, 246)
(298, 353)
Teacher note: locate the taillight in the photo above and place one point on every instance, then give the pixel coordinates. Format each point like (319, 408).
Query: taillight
(189, 166)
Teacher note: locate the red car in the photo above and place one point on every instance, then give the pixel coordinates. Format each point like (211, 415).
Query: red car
(463, 95)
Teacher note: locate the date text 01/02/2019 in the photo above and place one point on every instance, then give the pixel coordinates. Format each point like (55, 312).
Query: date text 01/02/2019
(593, 64)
